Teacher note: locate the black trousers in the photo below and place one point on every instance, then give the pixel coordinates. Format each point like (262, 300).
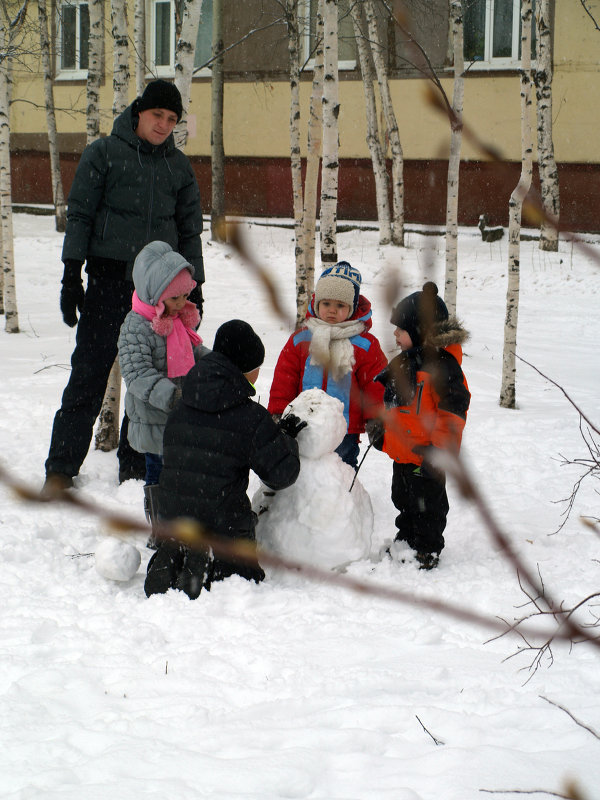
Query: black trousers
(107, 302)
(423, 506)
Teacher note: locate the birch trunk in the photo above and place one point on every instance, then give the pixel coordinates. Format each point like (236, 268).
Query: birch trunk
(331, 109)
(451, 280)
(94, 75)
(515, 207)
(107, 430)
(10, 31)
(185, 50)
(293, 27)
(217, 151)
(374, 143)
(547, 168)
(393, 133)
(58, 196)
(120, 42)
(139, 43)
(313, 158)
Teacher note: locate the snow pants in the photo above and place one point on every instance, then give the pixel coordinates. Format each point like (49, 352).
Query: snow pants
(107, 302)
(423, 505)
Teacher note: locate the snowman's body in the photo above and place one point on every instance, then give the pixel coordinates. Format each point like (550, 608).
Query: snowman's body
(317, 520)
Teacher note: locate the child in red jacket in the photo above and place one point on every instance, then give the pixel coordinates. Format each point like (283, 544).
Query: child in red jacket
(427, 398)
(335, 352)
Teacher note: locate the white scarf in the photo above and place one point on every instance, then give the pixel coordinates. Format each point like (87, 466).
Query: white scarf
(330, 346)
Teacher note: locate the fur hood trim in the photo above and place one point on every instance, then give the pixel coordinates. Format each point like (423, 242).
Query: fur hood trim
(447, 332)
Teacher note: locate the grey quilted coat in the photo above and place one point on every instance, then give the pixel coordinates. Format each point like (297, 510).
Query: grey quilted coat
(143, 353)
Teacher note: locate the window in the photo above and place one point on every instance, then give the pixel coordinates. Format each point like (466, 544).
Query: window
(492, 31)
(162, 26)
(74, 32)
(307, 10)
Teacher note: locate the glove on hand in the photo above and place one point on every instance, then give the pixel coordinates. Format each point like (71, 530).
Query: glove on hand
(292, 425)
(429, 467)
(375, 430)
(195, 296)
(71, 293)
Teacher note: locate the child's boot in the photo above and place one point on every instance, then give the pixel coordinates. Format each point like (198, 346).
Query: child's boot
(163, 568)
(195, 573)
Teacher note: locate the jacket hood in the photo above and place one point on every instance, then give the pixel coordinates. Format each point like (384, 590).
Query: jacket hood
(154, 268)
(124, 127)
(215, 384)
(445, 333)
(363, 311)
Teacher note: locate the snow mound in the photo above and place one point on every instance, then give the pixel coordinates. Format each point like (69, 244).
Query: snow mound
(117, 560)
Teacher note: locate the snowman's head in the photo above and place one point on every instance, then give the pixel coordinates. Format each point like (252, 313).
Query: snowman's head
(326, 424)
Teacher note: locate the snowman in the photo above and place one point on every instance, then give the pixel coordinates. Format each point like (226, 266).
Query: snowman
(317, 520)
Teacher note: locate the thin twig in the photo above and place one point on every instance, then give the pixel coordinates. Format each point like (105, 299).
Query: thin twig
(573, 717)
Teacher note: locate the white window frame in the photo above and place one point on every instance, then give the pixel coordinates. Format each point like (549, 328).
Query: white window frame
(167, 70)
(490, 62)
(304, 18)
(76, 73)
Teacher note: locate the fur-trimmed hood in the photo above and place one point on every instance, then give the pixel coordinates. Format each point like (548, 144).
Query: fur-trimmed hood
(445, 333)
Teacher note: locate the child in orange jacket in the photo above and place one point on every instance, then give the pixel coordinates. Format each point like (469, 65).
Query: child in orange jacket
(427, 398)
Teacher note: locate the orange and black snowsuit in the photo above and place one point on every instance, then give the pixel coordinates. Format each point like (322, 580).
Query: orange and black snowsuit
(427, 398)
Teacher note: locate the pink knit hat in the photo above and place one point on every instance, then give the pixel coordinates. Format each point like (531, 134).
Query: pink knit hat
(182, 283)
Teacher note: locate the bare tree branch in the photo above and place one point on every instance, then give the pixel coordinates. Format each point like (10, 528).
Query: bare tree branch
(573, 717)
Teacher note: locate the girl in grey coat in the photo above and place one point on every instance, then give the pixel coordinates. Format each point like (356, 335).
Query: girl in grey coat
(158, 345)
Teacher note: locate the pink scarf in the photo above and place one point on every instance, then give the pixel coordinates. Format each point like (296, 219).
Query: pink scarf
(179, 332)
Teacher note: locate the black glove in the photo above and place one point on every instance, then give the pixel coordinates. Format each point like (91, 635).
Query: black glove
(292, 425)
(429, 467)
(375, 430)
(71, 293)
(195, 296)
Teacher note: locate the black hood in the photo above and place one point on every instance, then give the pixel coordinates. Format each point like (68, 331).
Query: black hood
(215, 384)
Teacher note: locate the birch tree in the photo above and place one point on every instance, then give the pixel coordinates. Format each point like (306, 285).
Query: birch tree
(217, 148)
(451, 280)
(547, 168)
(58, 196)
(94, 75)
(373, 141)
(330, 159)
(139, 43)
(515, 208)
(393, 133)
(185, 49)
(10, 31)
(107, 430)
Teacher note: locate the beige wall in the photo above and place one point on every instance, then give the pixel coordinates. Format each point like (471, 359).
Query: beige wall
(257, 113)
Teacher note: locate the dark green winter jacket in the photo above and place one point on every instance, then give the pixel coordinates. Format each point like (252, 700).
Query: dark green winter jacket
(126, 193)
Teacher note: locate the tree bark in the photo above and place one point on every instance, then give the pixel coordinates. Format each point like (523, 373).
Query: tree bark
(330, 161)
(94, 76)
(217, 148)
(375, 148)
(393, 133)
(515, 208)
(139, 42)
(185, 50)
(547, 168)
(118, 18)
(451, 280)
(58, 197)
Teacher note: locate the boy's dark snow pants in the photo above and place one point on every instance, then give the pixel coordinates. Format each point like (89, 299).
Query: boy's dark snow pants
(423, 506)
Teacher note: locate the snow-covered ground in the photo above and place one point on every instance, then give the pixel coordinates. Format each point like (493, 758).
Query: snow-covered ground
(296, 688)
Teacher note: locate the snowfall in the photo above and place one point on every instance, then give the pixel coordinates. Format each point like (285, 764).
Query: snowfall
(302, 687)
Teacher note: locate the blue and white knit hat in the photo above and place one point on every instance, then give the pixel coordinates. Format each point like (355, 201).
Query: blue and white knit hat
(339, 282)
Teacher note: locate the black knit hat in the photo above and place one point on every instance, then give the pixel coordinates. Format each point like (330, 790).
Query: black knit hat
(418, 312)
(240, 344)
(161, 94)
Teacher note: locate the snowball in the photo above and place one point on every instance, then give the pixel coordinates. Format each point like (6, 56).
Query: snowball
(326, 423)
(117, 560)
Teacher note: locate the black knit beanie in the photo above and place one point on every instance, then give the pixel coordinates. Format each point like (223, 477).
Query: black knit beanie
(161, 94)
(240, 344)
(418, 312)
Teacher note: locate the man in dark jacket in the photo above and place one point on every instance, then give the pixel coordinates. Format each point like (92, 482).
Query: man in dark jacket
(130, 188)
(213, 438)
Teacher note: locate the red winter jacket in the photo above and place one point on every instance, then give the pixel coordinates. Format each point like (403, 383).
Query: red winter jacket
(361, 396)
(427, 397)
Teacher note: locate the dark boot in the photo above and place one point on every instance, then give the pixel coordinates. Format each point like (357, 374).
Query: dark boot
(195, 574)
(163, 568)
(151, 511)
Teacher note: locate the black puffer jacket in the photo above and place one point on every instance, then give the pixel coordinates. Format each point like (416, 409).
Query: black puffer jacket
(213, 437)
(126, 193)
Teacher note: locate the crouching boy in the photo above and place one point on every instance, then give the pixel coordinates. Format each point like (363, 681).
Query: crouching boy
(427, 398)
(212, 439)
